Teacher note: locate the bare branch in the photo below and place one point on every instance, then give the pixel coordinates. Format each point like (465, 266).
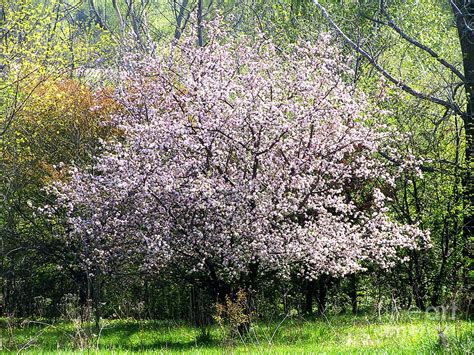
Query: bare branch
(408, 89)
(97, 16)
(417, 44)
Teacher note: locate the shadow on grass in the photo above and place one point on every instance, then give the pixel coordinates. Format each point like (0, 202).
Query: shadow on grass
(172, 345)
(124, 332)
(124, 336)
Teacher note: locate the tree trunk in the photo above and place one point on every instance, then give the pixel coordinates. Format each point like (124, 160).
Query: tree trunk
(96, 290)
(309, 290)
(353, 293)
(199, 23)
(119, 18)
(179, 19)
(416, 281)
(322, 294)
(95, 14)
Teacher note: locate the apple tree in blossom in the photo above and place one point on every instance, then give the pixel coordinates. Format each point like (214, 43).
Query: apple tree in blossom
(238, 161)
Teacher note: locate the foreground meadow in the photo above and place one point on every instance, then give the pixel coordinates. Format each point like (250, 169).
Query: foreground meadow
(406, 333)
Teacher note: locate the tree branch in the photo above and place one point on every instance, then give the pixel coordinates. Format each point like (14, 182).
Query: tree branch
(408, 89)
(417, 44)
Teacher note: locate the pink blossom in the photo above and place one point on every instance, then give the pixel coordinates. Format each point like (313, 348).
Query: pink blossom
(234, 155)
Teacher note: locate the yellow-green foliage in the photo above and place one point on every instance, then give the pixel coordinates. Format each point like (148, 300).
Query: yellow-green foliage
(61, 122)
(45, 119)
(233, 314)
(42, 37)
(39, 41)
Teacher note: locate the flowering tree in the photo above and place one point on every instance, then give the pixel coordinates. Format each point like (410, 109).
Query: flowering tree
(238, 160)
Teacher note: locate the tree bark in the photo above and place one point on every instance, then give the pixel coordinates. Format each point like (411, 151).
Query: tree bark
(353, 293)
(321, 296)
(309, 291)
(119, 17)
(96, 15)
(179, 19)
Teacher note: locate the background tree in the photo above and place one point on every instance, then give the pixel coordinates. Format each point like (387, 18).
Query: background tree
(443, 90)
(45, 120)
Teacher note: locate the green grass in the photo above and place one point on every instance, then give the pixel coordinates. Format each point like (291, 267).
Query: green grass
(406, 333)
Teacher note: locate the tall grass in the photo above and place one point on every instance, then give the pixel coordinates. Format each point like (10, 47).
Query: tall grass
(401, 333)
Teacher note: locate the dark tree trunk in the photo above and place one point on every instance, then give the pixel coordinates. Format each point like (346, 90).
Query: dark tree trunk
(95, 14)
(416, 280)
(200, 316)
(96, 299)
(353, 293)
(93, 296)
(440, 276)
(180, 17)
(146, 300)
(321, 296)
(199, 23)
(194, 306)
(309, 291)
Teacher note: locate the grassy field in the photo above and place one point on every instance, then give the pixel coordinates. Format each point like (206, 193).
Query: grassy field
(405, 333)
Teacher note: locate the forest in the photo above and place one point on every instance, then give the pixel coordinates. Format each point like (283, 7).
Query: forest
(222, 176)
